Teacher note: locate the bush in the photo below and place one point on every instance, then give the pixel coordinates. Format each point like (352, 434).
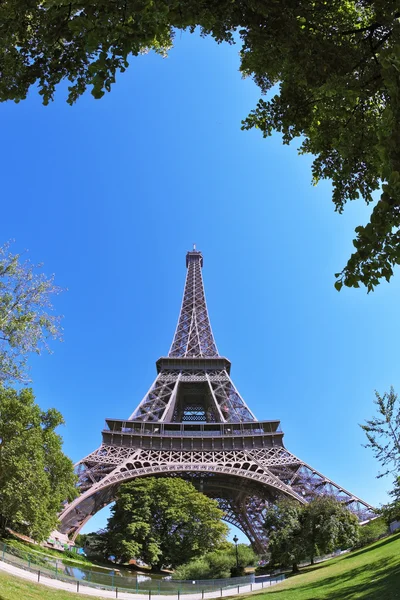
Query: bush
(246, 555)
(215, 565)
(195, 569)
(219, 564)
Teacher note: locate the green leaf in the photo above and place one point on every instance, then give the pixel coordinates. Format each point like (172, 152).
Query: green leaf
(338, 285)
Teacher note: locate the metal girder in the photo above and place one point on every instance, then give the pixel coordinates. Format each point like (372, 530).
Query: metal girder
(275, 471)
(193, 335)
(193, 339)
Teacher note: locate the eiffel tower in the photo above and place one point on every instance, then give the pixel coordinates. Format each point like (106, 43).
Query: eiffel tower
(193, 423)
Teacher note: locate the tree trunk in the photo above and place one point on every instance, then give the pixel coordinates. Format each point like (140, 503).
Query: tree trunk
(295, 568)
(3, 523)
(312, 559)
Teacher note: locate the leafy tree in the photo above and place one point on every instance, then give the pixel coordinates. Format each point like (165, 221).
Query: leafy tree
(391, 511)
(80, 539)
(35, 476)
(26, 322)
(297, 532)
(94, 544)
(163, 521)
(383, 432)
(282, 522)
(336, 63)
(326, 525)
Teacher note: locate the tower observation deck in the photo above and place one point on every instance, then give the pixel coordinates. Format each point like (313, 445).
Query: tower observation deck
(193, 423)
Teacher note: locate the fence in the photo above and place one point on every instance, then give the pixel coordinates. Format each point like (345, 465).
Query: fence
(81, 576)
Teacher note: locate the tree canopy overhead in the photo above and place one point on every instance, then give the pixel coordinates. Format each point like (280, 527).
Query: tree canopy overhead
(337, 64)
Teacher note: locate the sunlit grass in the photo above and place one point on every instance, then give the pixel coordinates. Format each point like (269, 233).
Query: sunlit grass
(14, 588)
(372, 573)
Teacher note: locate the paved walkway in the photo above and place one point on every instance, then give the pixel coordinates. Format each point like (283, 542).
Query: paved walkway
(97, 593)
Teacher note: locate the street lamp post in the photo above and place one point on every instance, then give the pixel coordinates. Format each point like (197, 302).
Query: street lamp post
(236, 539)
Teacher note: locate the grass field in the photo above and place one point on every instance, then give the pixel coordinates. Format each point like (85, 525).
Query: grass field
(372, 573)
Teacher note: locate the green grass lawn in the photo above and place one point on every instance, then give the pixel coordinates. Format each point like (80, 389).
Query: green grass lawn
(14, 588)
(50, 552)
(372, 573)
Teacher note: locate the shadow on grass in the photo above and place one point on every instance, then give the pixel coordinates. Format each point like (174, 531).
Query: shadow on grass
(311, 568)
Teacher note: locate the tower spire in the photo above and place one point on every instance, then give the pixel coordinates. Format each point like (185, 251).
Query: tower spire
(193, 382)
(193, 335)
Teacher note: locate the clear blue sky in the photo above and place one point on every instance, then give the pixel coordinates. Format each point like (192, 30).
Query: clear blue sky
(111, 194)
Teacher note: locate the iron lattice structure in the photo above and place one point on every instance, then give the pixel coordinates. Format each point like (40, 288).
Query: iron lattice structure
(193, 423)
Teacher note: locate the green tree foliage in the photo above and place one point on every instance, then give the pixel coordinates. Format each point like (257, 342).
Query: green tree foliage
(372, 531)
(214, 565)
(282, 522)
(391, 511)
(383, 432)
(80, 539)
(327, 525)
(163, 521)
(299, 532)
(219, 564)
(95, 545)
(336, 63)
(35, 476)
(246, 556)
(26, 319)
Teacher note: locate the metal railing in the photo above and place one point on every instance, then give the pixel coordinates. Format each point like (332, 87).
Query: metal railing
(118, 426)
(80, 576)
